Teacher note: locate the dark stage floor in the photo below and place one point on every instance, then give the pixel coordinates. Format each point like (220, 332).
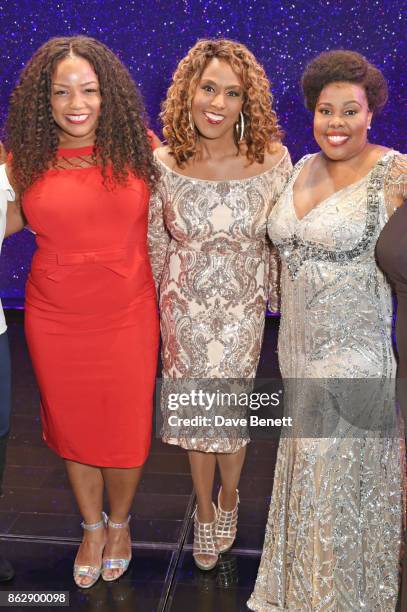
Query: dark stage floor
(39, 522)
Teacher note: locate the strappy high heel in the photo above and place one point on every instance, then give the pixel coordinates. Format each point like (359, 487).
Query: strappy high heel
(205, 542)
(120, 564)
(226, 526)
(89, 571)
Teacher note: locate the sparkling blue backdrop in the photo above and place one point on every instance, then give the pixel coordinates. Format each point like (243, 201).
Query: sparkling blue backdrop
(152, 36)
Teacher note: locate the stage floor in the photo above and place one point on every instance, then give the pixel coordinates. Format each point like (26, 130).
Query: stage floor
(39, 522)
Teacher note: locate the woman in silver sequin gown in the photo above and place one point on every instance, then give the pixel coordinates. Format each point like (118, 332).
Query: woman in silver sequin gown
(222, 171)
(334, 529)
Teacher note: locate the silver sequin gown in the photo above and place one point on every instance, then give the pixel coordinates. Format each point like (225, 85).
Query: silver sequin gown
(334, 529)
(212, 262)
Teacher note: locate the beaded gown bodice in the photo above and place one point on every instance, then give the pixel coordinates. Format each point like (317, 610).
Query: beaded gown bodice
(336, 304)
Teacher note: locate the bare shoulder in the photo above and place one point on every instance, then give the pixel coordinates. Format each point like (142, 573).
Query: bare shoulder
(377, 151)
(381, 149)
(274, 157)
(165, 156)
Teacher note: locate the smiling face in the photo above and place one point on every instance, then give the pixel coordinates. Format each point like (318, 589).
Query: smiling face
(341, 120)
(218, 100)
(75, 102)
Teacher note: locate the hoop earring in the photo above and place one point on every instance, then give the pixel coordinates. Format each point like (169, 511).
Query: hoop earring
(191, 122)
(240, 126)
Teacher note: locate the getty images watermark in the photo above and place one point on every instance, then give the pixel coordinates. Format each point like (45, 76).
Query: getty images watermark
(298, 408)
(212, 401)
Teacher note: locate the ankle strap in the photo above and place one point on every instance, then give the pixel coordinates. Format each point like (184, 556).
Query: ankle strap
(118, 525)
(237, 501)
(93, 526)
(215, 514)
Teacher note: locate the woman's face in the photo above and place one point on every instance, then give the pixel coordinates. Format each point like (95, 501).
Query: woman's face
(75, 102)
(341, 120)
(218, 100)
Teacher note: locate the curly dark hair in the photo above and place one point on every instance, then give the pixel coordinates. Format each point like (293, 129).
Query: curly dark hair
(262, 132)
(121, 141)
(344, 66)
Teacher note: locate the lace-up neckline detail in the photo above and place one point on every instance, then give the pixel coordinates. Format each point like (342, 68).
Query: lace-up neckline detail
(75, 159)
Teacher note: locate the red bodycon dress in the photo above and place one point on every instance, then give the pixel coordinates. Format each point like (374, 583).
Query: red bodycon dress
(91, 314)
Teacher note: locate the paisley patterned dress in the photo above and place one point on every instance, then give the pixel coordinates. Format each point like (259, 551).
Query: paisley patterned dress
(334, 529)
(212, 261)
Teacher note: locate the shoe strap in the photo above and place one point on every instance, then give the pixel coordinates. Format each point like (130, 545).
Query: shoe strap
(227, 520)
(93, 526)
(215, 514)
(90, 571)
(118, 525)
(116, 564)
(228, 512)
(205, 535)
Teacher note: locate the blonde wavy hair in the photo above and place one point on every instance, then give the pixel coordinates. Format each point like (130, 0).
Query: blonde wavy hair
(262, 132)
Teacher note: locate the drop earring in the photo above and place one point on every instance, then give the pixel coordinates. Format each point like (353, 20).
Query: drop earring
(240, 126)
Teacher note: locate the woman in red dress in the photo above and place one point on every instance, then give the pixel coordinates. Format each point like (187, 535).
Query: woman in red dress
(82, 162)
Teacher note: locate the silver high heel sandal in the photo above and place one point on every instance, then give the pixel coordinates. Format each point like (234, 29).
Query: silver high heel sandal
(120, 564)
(89, 571)
(226, 526)
(205, 542)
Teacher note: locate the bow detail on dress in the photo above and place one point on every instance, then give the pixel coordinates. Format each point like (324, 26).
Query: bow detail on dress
(57, 266)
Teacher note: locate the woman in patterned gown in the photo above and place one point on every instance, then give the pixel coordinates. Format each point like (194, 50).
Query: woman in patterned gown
(221, 172)
(335, 524)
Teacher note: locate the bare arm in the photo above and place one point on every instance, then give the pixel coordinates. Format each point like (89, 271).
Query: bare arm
(15, 220)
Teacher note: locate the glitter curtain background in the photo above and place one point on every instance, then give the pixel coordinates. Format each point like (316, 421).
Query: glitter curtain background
(151, 37)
